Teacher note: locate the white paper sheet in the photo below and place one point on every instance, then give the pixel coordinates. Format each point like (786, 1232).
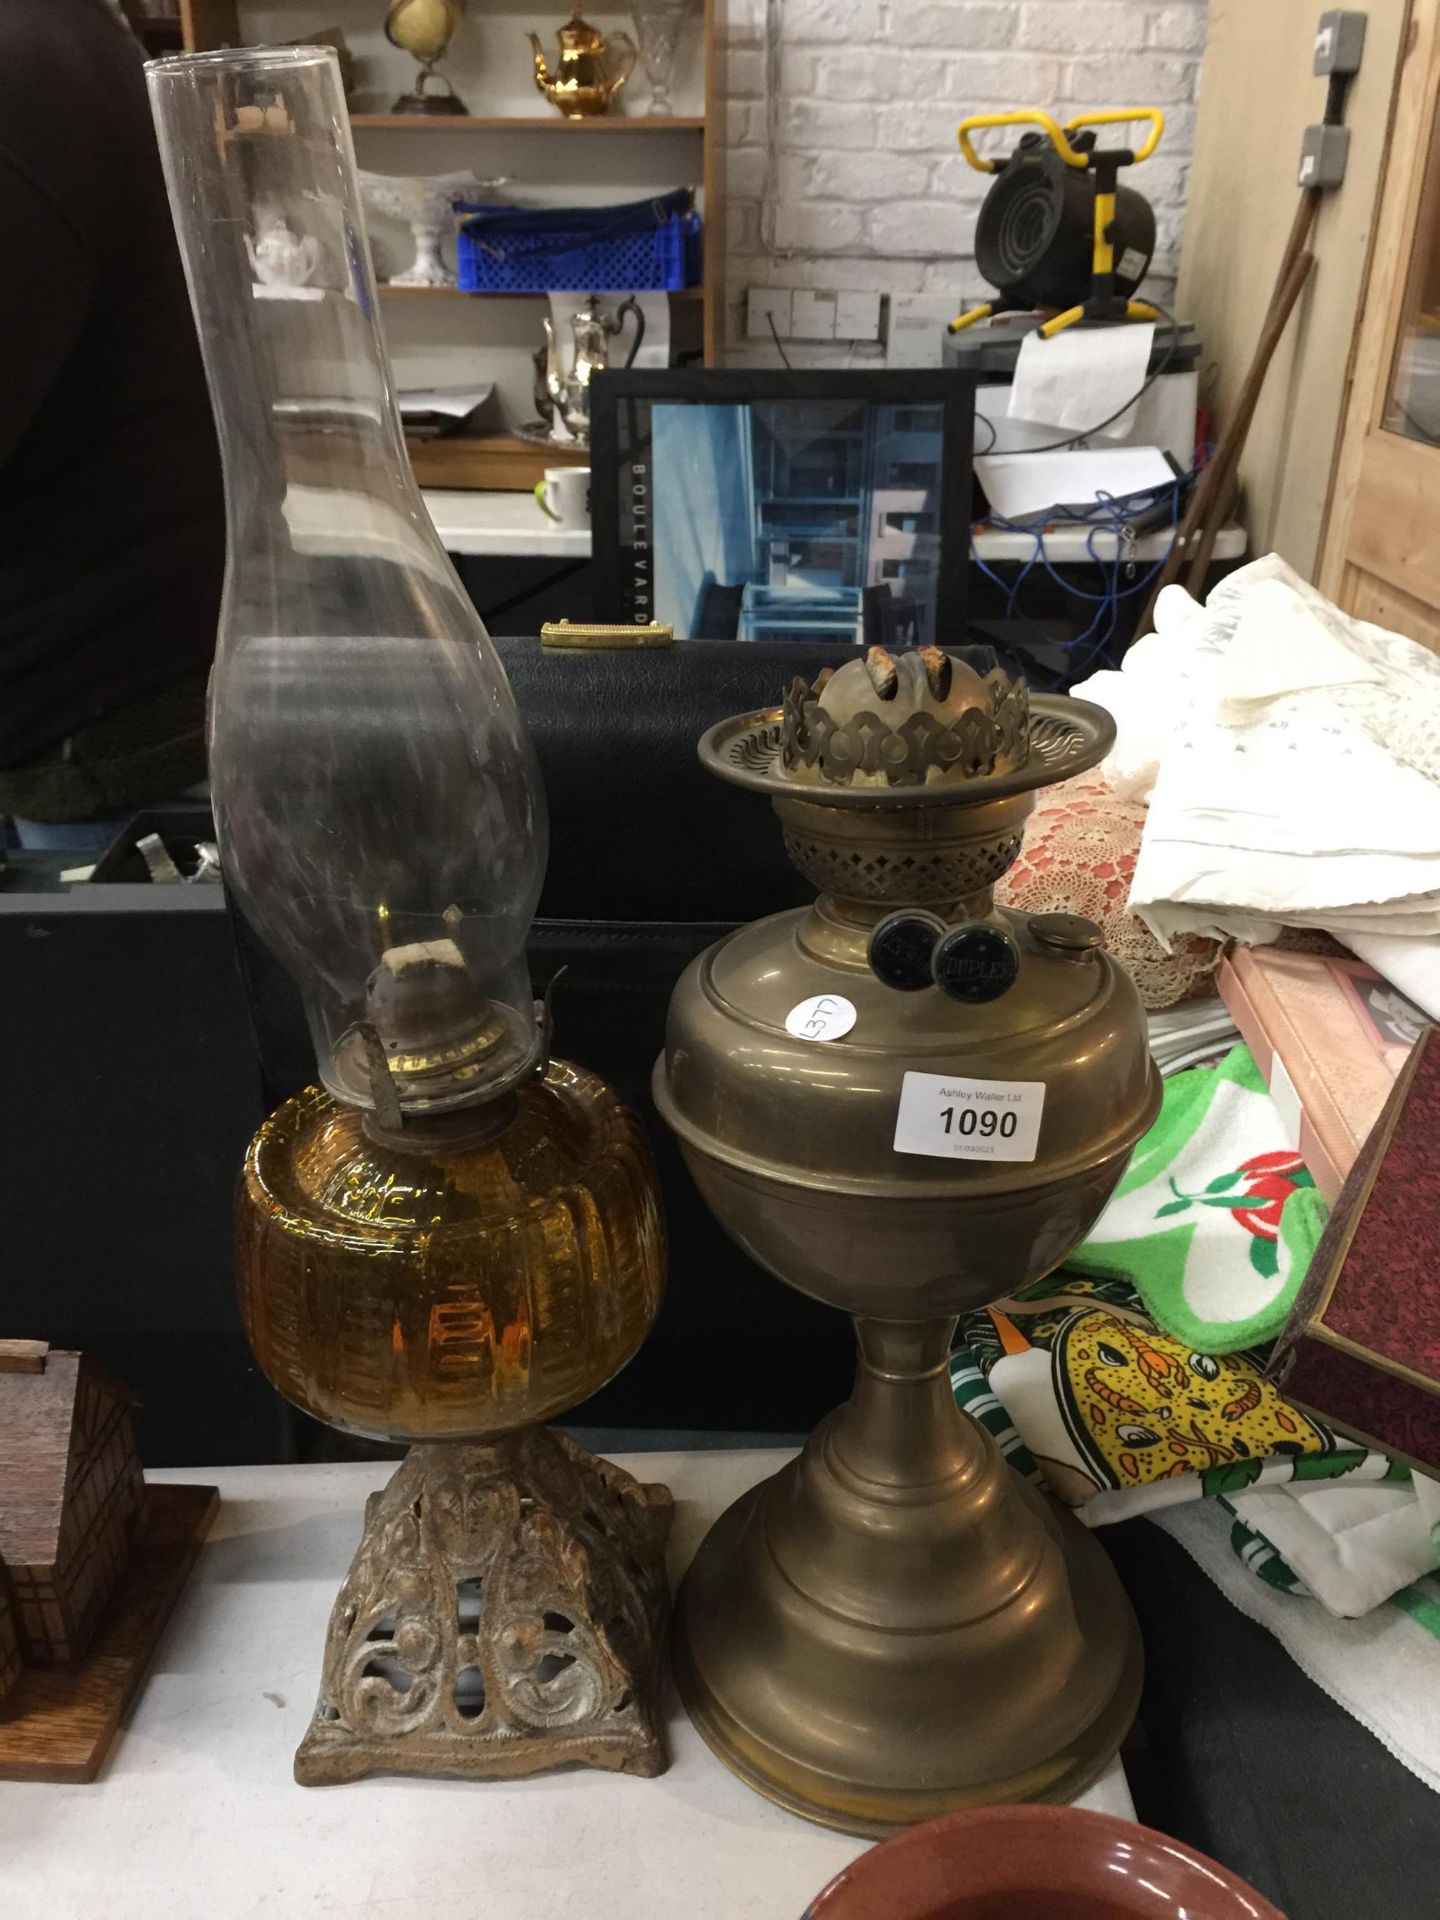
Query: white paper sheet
(1079, 378)
(1020, 486)
(453, 403)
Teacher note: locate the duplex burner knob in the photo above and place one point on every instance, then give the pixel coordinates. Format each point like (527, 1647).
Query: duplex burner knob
(902, 949)
(970, 962)
(975, 963)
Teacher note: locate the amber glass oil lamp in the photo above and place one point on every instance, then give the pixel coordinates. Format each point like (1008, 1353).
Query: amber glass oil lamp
(454, 1237)
(907, 1102)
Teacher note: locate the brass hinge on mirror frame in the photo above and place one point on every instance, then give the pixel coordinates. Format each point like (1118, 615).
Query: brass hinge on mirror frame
(575, 636)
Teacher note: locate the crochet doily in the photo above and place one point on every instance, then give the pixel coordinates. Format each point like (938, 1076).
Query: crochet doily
(1079, 856)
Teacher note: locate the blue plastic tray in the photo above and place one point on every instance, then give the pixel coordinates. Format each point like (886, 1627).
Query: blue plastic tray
(645, 244)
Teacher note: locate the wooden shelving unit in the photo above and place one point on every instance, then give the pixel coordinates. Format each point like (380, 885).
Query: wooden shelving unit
(531, 123)
(389, 291)
(496, 461)
(469, 138)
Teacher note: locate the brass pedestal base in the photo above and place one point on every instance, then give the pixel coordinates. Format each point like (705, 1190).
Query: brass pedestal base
(895, 1625)
(505, 1613)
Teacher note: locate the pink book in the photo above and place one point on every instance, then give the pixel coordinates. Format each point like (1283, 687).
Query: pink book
(1330, 1037)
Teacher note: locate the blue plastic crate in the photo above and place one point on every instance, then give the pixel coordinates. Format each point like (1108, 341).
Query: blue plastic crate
(645, 244)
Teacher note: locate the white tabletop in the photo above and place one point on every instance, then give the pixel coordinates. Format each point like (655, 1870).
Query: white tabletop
(1071, 545)
(477, 522)
(496, 523)
(196, 1813)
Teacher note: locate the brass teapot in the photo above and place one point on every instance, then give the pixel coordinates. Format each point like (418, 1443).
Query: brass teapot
(582, 84)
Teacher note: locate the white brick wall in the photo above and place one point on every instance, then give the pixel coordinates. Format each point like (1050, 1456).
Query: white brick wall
(865, 188)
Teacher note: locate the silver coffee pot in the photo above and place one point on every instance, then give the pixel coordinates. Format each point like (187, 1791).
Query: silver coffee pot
(563, 393)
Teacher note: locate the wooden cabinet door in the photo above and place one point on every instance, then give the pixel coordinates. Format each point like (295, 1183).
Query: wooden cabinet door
(1381, 557)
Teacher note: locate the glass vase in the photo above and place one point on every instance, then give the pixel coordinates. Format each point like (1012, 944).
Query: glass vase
(657, 34)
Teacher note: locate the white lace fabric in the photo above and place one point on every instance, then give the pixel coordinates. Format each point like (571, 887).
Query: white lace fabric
(1291, 758)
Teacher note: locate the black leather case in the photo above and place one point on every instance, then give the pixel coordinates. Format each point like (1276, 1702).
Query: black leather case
(651, 859)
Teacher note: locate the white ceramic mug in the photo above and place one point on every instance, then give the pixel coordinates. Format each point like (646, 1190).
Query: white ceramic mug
(564, 494)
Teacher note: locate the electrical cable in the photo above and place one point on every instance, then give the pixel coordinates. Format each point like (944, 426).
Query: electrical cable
(1012, 600)
(1112, 514)
(1058, 446)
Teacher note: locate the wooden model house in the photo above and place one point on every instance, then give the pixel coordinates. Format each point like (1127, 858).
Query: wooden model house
(70, 1497)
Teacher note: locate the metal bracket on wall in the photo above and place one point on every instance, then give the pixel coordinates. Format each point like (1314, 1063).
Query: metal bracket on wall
(1339, 49)
(1324, 152)
(1340, 41)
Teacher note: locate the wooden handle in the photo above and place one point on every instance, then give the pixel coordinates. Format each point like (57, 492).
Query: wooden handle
(23, 1356)
(1226, 463)
(1213, 485)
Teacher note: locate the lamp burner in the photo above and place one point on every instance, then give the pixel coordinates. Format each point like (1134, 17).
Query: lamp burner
(905, 720)
(845, 742)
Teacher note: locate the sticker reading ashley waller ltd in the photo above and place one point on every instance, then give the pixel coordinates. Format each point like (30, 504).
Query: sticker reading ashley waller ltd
(957, 1119)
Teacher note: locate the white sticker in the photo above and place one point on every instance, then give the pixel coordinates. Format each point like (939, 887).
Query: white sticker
(1132, 264)
(957, 1119)
(824, 1016)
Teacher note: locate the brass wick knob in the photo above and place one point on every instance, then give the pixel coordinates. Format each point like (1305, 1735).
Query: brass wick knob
(970, 962)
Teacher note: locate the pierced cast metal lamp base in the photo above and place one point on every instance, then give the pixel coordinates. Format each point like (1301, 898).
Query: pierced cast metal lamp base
(896, 1625)
(505, 1613)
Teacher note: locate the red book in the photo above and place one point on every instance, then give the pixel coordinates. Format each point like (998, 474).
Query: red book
(1361, 1348)
(1329, 1036)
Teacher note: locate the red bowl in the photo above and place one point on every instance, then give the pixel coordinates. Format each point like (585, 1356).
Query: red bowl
(1036, 1863)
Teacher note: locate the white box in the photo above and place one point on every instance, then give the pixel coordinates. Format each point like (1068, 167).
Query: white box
(917, 328)
(857, 316)
(1164, 417)
(812, 316)
(764, 304)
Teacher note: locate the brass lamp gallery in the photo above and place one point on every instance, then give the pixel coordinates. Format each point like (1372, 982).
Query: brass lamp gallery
(454, 1236)
(908, 1102)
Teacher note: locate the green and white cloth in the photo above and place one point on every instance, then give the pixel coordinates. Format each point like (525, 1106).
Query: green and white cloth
(1216, 1218)
(1131, 1381)
(1352, 1544)
(1384, 1669)
(1084, 1395)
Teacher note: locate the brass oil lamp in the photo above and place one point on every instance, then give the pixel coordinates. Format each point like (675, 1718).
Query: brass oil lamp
(908, 1102)
(454, 1237)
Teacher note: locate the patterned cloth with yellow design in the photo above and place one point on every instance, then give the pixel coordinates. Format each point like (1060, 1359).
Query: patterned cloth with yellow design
(1088, 1397)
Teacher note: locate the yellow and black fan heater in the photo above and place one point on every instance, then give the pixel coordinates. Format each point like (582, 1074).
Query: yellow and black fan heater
(1057, 231)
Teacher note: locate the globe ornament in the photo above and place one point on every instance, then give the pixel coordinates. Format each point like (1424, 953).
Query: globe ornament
(424, 29)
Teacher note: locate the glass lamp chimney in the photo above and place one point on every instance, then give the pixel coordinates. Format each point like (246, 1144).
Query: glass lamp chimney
(379, 810)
